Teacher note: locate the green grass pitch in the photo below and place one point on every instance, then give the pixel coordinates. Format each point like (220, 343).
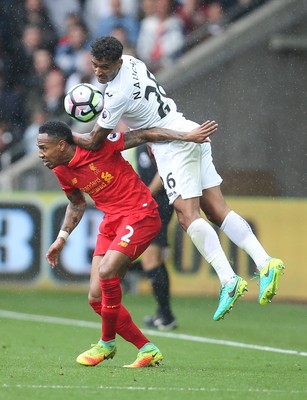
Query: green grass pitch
(256, 352)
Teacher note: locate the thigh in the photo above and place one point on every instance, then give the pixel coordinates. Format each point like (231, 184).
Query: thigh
(209, 176)
(179, 168)
(179, 164)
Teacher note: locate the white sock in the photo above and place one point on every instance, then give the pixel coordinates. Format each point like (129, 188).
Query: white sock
(239, 232)
(207, 243)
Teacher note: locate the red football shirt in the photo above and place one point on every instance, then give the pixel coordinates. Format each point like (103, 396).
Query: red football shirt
(107, 178)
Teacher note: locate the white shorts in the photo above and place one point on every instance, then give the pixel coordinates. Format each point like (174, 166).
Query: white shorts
(186, 168)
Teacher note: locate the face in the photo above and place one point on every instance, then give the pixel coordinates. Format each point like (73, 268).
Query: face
(104, 70)
(51, 151)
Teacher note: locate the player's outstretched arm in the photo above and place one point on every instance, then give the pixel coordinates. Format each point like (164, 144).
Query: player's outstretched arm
(91, 140)
(200, 134)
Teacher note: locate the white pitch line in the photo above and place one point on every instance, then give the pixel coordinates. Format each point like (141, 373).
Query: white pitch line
(152, 389)
(170, 335)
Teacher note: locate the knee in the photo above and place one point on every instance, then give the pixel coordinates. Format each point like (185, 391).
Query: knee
(105, 271)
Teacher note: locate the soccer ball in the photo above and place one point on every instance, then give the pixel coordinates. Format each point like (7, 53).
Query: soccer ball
(83, 102)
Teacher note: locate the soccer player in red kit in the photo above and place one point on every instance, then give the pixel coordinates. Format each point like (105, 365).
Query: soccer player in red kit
(130, 223)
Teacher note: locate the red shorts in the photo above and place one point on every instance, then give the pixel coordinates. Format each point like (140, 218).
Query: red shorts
(130, 234)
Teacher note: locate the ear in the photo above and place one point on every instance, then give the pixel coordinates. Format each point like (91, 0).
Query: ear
(62, 145)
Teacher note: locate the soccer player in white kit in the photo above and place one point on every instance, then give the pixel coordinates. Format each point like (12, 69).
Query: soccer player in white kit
(186, 169)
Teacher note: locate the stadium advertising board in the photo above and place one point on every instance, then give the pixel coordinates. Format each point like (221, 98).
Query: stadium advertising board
(30, 222)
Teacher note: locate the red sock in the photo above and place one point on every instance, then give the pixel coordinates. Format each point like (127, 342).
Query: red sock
(110, 306)
(127, 329)
(96, 306)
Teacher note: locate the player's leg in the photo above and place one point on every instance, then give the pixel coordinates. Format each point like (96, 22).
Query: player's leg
(239, 232)
(181, 169)
(126, 328)
(94, 294)
(207, 242)
(143, 227)
(155, 269)
(109, 268)
(179, 166)
(204, 237)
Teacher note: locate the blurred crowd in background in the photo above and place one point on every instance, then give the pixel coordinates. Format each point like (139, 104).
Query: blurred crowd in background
(45, 49)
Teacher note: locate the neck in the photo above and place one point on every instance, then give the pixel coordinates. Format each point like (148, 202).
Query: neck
(68, 154)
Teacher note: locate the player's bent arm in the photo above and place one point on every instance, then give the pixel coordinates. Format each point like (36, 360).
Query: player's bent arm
(199, 135)
(73, 215)
(74, 212)
(91, 140)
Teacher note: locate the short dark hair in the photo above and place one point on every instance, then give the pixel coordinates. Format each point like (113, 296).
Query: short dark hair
(57, 130)
(108, 48)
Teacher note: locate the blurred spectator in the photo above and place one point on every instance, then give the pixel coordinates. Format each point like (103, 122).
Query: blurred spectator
(67, 54)
(58, 11)
(38, 117)
(10, 34)
(94, 11)
(84, 72)
(121, 34)
(192, 14)
(161, 37)
(71, 19)
(6, 140)
(32, 39)
(208, 15)
(42, 64)
(116, 19)
(54, 93)
(12, 107)
(215, 18)
(36, 14)
(147, 8)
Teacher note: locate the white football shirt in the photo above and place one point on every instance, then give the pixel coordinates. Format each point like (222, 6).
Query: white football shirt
(134, 96)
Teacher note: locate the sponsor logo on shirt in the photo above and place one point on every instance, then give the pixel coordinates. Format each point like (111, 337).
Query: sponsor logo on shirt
(98, 184)
(122, 244)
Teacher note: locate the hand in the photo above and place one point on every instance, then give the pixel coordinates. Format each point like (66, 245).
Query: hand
(54, 251)
(201, 133)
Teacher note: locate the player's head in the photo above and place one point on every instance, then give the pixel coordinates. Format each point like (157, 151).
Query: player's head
(57, 130)
(107, 48)
(55, 143)
(107, 54)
